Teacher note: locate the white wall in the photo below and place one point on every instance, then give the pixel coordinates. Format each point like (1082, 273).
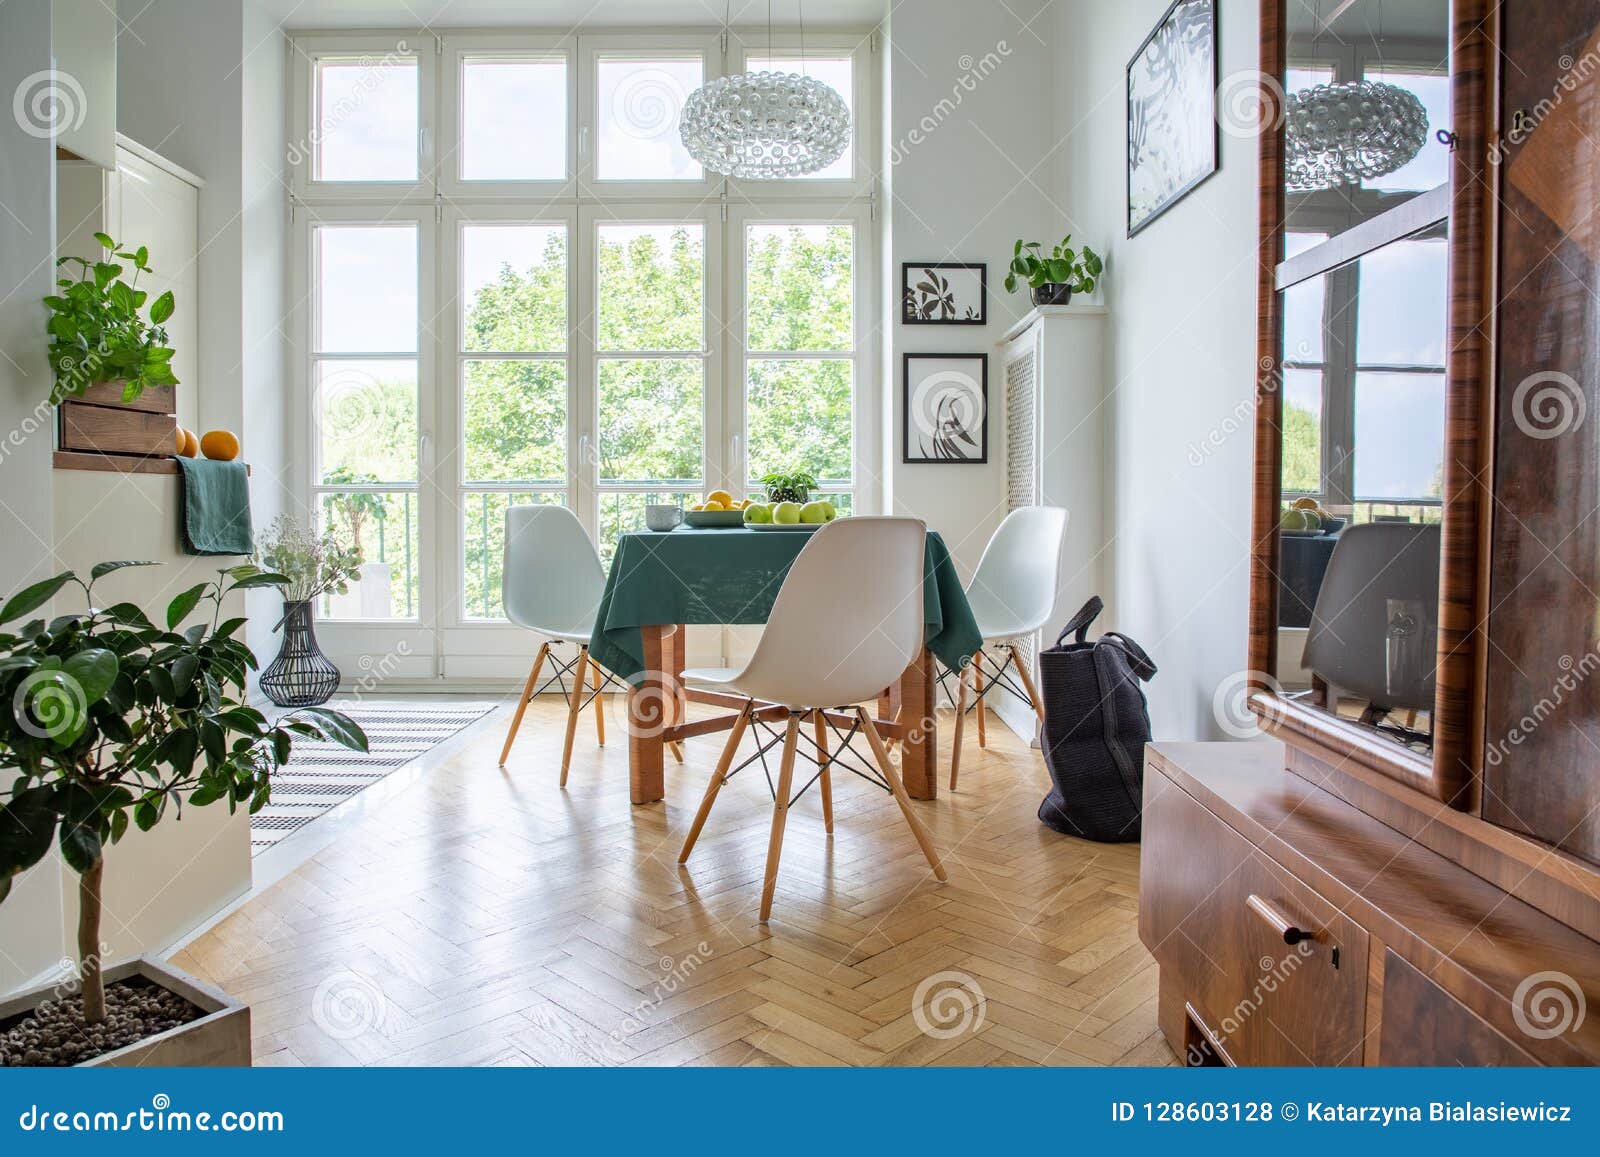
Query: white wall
(968, 137)
(32, 932)
(1181, 360)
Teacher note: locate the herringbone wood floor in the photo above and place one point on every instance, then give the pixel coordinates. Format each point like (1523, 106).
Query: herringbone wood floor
(487, 917)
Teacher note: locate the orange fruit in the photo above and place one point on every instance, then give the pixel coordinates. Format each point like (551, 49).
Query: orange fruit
(221, 445)
(188, 444)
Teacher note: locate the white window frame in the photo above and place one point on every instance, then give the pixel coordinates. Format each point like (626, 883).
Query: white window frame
(483, 651)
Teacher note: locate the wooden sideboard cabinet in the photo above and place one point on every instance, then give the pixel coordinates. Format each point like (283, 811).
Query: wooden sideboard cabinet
(1292, 928)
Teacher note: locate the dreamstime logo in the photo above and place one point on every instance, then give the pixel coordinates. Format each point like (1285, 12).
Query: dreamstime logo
(1548, 404)
(352, 402)
(972, 72)
(647, 103)
(1574, 75)
(347, 1004)
(373, 74)
(49, 102)
(1574, 672)
(949, 1004)
(653, 704)
(945, 409)
(1273, 974)
(1548, 1004)
(1230, 705)
(1250, 103)
(48, 704)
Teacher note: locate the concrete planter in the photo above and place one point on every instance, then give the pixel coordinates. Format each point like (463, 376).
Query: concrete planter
(219, 1038)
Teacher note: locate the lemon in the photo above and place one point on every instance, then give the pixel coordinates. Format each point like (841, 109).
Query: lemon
(722, 498)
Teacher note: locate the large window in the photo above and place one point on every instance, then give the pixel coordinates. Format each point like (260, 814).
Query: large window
(518, 287)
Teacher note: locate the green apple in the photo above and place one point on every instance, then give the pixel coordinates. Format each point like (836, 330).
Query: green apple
(829, 513)
(814, 512)
(758, 512)
(786, 513)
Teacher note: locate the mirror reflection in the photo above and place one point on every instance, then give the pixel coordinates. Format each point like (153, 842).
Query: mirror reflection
(1363, 464)
(1368, 90)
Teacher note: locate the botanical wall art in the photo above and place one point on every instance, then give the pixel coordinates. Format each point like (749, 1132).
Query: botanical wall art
(943, 293)
(946, 408)
(1172, 98)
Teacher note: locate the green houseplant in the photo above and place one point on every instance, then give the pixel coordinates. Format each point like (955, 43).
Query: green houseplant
(311, 565)
(107, 719)
(789, 486)
(98, 332)
(1056, 276)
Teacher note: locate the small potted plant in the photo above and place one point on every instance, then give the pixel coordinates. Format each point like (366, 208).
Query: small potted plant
(107, 719)
(97, 333)
(790, 486)
(372, 585)
(312, 565)
(1056, 276)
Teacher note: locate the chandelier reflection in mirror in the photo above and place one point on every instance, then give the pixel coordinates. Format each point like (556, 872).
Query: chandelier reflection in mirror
(765, 125)
(1342, 134)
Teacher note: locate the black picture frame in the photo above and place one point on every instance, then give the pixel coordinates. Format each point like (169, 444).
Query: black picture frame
(908, 313)
(926, 451)
(1176, 195)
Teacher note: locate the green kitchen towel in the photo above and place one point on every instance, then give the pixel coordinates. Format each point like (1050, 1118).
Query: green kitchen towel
(215, 507)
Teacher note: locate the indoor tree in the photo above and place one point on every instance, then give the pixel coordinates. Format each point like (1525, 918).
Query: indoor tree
(107, 718)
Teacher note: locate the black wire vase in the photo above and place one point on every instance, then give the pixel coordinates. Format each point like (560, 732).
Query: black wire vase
(301, 675)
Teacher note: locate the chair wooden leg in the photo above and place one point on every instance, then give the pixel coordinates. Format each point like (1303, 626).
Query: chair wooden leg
(825, 779)
(780, 813)
(522, 703)
(715, 785)
(574, 705)
(1025, 670)
(961, 720)
(924, 841)
(599, 703)
(977, 686)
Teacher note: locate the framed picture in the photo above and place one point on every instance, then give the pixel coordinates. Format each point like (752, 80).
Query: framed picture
(945, 402)
(944, 293)
(1172, 110)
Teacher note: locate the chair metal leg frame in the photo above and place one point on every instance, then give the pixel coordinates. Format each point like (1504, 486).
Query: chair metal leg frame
(783, 794)
(999, 676)
(560, 669)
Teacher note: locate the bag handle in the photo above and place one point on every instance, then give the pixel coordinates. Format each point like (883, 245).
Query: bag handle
(1080, 621)
(1138, 660)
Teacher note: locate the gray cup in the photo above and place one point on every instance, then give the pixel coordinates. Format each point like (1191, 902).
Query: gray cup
(662, 518)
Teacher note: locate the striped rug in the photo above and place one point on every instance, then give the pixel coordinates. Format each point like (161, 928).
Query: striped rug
(321, 776)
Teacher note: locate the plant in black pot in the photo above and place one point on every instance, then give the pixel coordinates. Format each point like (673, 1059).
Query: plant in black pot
(312, 565)
(107, 719)
(1055, 276)
(789, 486)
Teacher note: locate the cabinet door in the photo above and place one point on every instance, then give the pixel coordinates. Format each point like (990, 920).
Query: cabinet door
(1213, 911)
(1424, 1025)
(1542, 711)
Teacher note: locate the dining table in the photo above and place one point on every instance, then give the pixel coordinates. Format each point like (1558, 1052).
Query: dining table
(660, 583)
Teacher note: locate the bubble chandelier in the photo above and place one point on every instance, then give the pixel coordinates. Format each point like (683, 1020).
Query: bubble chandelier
(765, 124)
(1345, 133)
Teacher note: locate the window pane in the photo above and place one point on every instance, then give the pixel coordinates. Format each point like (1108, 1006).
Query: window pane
(1401, 316)
(366, 288)
(638, 102)
(513, 118)
(835, 72)
(799, 415)
(366, 121)
(483, 538)
(621, 513)
(367, 421)
(514, 288)
(386, 527)
(1302, 431)
(651, 423)
(515, 421)
(1431, 166)
(1302, 320)
(797, 287)
(1298, 78)
(652, 287)
(1399, 435)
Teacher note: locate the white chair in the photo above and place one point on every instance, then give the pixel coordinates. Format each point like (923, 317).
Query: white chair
(847, 622)
(551, 582)
(1012, 594)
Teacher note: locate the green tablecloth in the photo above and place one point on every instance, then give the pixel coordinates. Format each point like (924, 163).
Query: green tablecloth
(732, 576)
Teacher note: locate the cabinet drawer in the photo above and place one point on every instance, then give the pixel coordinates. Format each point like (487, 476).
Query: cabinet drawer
(1276, 973)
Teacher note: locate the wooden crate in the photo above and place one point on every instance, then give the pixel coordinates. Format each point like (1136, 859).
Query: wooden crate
(116, 429)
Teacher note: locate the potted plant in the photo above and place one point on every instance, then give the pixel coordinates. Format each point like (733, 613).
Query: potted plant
(97, 332)
(790, 486)
(1055, 277)
(311, 564)
(374, 580)
(107, 719)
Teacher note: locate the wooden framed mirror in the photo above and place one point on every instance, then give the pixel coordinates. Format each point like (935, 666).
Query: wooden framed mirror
(1373, 343)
